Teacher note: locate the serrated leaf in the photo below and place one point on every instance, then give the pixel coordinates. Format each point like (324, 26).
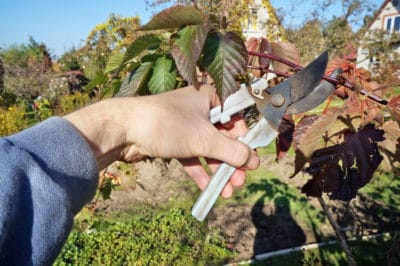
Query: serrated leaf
(135, 82)
(318, 132)
(114, 62)
(140, 45)
(394, 107)
(341, 170)
(175, 17)
(186, 50)
(225, 57)
(164, 76)
(361, 105)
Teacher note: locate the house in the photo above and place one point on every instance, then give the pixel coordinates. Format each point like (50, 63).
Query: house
(385, 25)
(262, 21)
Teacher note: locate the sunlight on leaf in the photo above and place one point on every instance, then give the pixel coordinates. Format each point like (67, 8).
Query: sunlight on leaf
(285, 50)
(114, 62)
(394, 107)
(135, 82)
(187, 49)
(164, 76)
(343, 169)
(140, 45)
(225, 57)
(175, 17)
(390, 147)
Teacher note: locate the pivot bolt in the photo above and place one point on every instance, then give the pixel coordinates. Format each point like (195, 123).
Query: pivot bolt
(277, 99)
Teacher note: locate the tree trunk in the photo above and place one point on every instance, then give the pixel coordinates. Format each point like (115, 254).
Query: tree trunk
(339, 234)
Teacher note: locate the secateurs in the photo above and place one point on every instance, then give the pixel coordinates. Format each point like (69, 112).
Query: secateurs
(300, 93)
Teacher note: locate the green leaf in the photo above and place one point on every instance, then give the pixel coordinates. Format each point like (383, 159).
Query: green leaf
(135, 82)
(175, 17)
(114, 62)
(225, 57)
(151, 58)
(164, 76)
(146, 42)
(187, 49)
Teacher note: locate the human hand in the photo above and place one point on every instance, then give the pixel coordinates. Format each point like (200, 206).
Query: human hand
(171, 125)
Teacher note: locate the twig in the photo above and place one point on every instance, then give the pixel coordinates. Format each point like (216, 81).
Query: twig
(346, 83)
(341, 237)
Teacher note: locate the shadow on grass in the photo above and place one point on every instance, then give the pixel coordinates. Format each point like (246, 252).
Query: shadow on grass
(275, 227)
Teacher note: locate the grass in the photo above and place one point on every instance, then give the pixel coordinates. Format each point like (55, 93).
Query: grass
(385, 188)
(371, 252)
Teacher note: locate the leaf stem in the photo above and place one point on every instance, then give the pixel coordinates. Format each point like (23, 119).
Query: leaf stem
(346, 83)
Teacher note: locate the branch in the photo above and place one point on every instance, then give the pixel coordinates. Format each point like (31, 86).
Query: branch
(339, 234)
(345, 82)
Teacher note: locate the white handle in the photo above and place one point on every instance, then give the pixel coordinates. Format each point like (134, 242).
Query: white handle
(260, 135)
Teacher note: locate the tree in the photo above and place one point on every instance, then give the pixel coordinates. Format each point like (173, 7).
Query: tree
(115, 34)
(27, 70)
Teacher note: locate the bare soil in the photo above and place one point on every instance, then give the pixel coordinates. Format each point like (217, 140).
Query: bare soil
(250, 229)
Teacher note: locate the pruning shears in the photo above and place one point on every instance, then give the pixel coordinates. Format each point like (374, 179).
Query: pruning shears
(300, 93)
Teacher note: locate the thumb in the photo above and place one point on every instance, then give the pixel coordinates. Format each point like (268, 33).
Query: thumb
(233, 152)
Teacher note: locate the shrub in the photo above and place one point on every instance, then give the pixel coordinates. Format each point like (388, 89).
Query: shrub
(12, 119)
(169, 238)
(70, 103)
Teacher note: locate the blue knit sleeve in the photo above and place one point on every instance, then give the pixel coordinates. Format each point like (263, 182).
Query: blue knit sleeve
(48, 173)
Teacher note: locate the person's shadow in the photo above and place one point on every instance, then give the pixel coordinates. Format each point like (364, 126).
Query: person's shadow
(275, 227)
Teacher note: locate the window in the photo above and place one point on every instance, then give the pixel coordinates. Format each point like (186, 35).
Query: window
(389, 24)
(393, 24)
(395, 3)
(397, 24)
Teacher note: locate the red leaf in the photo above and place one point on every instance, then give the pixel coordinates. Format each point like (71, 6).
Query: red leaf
(285, 137)
(394, 107)
(288, 51)
(305, 123)
(342, 169)
(366, 108)
(260, 45)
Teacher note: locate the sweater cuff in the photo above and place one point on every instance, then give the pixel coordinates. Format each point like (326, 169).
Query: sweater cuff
(65, 155)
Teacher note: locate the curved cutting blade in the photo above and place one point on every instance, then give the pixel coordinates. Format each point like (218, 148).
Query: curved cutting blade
(307, 79)
(316, 97)
(292, 90)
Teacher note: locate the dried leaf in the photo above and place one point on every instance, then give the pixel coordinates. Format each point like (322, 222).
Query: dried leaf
(225, 57)
(187, 49)
(285, 137)
(342, 169)
(175, 17)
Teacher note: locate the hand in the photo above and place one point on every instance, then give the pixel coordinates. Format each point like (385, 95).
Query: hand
(171, 125)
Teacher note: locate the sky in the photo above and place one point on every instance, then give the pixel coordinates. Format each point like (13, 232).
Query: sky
(62, 24)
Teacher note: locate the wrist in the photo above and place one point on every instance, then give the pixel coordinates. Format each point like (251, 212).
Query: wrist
(99, 124)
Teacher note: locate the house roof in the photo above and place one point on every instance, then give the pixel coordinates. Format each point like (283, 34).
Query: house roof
(378, 12)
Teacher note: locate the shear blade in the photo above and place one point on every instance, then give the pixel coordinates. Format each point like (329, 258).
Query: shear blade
(317, 96)
(307, 79)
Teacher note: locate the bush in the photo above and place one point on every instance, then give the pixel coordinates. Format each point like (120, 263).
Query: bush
(169, 238)
(69, 103)
(12, 120)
